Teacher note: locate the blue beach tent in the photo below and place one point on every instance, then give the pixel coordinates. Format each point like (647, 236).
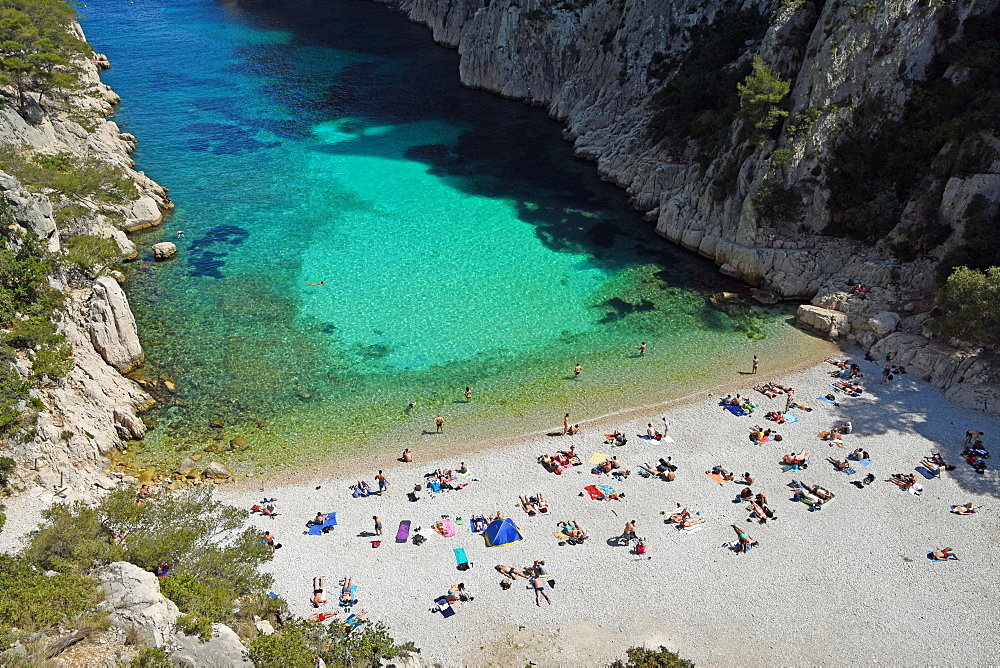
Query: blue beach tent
(501, 532)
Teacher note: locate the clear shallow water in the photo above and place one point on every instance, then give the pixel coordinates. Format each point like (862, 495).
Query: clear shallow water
(458, 241)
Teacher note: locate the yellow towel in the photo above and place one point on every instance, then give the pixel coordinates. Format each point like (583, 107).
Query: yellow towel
(598, 458)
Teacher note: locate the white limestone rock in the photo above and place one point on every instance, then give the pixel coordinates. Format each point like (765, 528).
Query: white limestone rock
(832, 324)
(223, 650)
(136, 603)
(112, 326)
(164, 250)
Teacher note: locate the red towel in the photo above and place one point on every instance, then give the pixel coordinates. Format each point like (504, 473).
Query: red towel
(594, 492)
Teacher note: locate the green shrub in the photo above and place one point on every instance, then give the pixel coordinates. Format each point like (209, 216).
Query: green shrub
(641, 657)
(761, 95)
(7, 466)
(90, 252)
(970, 306)
(775, 204)
(32, 601)
(53, 362)
(289, 648)
(13, 390)
(782, 157)
(70, 176)
(214, 558)
(151, 657)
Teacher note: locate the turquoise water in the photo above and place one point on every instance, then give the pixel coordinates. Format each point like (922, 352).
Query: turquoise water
(451, 238)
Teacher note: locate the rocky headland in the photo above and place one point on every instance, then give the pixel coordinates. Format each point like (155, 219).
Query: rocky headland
(94, 410)
(759, 207)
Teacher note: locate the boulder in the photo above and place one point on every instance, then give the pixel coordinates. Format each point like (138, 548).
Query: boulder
(239, 443)
(217, 470)
(832, 324)
(31, 211)
(112, 326)
(186, 466)
(164, 250)
(884, 323)
(145, 213)
(223, 649)
(127, 247)
(264, 627)
(135, 602)
(764, 297)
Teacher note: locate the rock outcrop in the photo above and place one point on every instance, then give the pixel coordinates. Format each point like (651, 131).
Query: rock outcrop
(164, 250)
(222, 649)
(134, 601)
(112, 326)
(93, 410)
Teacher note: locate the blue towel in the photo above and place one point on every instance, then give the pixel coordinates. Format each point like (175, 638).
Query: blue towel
(829, 401)
(348, 604)
(317, 529)
(866, 462)
(460, 556)
(735, 410)
(850, 471)
(789, 417)
(922, 470)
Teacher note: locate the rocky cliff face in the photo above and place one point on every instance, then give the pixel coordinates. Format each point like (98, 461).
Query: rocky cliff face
(597, 65)
(93, 410)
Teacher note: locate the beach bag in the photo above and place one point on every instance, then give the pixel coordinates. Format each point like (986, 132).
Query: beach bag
(640, 548)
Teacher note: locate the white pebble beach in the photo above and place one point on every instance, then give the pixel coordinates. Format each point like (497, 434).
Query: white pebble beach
(848, 585)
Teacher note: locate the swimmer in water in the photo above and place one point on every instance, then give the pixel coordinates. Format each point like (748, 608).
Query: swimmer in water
(320, 283)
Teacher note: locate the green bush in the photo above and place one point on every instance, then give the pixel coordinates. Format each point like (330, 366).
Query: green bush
(970, 306)
(641, 657)
(214, 558)
(775, 204)
(68, 175)
(91, 253)
(289, 648)
(761, 95)
(3, 520)
(7, 466)
(32, 601)
(298, 642)
(151, 657)
(13, 390)
(54, 362)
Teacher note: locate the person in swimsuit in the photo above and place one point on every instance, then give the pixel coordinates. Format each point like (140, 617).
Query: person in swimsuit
(510, 572)
(966, 509)
(566, 424)
(439, 424)
(944, 554)
(345, 591)
(576, 370)
(318, 597)
(269, 541)
(642, 349)
(407, 456)
(383, 483)
(539, 586)
(320, 283)
(378, 525)
(745, 541)
(468, 394)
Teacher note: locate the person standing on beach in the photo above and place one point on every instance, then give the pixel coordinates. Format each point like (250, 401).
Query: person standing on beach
(973, 435)
(439, 424)
(566, 424)
(576, 370)
(756, 362)
(666, 425)
(378, 525)
(789, 398)
(642, 349)
(383, 482)
(468, 394)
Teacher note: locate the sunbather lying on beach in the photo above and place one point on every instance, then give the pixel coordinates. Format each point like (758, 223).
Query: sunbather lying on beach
(744, 541)
(457, 593)
(528, 506)
(965, 509)
(761, 512)
(726, 475)
(345, 590)
(318, 597)
(666, 474)
(944, 554)
(801, 460)
(539, 586)
(510, 572)
(903, 480)
(689, 522)
(932, 466)
(839, 465)
(573, 530)
(858, 455)
(478, 523)
(939, 459)
(680, 514)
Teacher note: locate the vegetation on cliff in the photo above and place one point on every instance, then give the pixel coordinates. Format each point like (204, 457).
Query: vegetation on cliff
(39, 51)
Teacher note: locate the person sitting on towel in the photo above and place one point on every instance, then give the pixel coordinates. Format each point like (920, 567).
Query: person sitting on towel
(652, 433)
(845, 428)
(319, 519)
(478, 523)
(726, 475)
(667, 474)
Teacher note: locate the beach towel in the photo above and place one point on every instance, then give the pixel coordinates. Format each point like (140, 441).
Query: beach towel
(789, 417)
(317, 529)
(850, 471)
(865, 462)
(930, 556)
(461, 559)
(764, 440)
(736, 410)
(607, 489)
(796, 404)
(666, 439)
(594, 493)
(696, 527)
(718, 478)
(598, 458)
(449, 528)
(403, 534)
(444, 607)
(916, 490)
(925, 472)
(825, 400)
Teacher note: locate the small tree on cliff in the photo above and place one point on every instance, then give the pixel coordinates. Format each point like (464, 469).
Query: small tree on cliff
(970, 306)
(761, 94)
(37, 47)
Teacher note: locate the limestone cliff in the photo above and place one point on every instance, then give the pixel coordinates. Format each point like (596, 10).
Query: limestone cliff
(93, 410)
(599, 65)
